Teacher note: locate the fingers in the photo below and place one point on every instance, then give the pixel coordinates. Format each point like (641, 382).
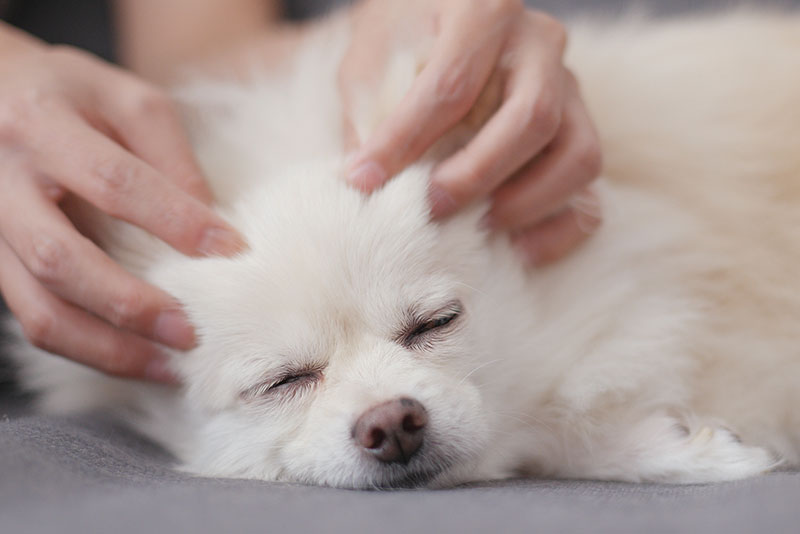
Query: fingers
(77, 126)
(570, 163)
(142, 118)
(53, 325)
(147, 123)
(558, 235)
(71, 266)
(462, 61)
(127, 188)
(525, 205)
(526, 122)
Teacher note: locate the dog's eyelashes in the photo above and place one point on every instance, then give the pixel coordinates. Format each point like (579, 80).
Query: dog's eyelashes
(288, 382)
(433, 324)
(293, 379)
(419, 330)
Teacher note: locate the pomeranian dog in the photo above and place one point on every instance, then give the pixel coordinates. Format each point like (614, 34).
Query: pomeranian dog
(358, 344)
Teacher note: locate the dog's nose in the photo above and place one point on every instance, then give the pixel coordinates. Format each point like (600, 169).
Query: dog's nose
(392, 431)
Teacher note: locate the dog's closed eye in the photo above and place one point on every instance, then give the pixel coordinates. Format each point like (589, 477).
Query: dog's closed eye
(290, 382)
(421, 330)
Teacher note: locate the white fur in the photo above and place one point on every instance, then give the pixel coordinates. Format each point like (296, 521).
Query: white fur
(641, 357)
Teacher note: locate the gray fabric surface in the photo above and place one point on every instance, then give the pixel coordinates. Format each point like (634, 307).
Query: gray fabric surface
(91, 474)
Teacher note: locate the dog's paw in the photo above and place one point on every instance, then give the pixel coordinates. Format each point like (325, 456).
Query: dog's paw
(709, 454)
(665, 449)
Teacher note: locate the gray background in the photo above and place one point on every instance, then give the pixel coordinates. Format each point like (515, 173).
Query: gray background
(90, 474)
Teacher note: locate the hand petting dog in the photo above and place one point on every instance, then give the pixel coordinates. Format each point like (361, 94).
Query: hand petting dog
(72, 127)
(536, 157)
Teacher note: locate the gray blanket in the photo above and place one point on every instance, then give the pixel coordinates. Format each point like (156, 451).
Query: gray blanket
(91, 474)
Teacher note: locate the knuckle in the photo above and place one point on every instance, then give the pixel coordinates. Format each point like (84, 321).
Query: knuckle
(455, 88)
(48, 259)
(125, 309)
(22, 110)
(113, 179)
(536, 119)
(543, 116)
(183, 218)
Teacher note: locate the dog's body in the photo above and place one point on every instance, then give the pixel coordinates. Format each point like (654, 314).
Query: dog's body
(666, 349)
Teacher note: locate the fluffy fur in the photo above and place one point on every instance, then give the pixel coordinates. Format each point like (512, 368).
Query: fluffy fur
(666, 349)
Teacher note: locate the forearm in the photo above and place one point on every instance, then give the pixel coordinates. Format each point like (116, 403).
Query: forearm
(156, 36)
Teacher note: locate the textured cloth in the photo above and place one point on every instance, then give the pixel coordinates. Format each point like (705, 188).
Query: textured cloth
(92, 474)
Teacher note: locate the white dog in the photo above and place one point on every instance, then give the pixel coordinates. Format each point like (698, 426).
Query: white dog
(358, 344)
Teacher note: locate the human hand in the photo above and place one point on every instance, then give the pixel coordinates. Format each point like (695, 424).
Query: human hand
(534, 158)
(70, 125)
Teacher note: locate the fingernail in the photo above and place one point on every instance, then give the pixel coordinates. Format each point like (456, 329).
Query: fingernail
(221, 242)
(158, 370)
(172, 328)
(587, 222)
(365, 175)
(442, 202)
(588, 213)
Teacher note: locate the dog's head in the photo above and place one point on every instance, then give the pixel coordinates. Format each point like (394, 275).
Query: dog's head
(337, 349)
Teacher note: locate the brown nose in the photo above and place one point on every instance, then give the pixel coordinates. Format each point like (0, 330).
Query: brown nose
(392, 431)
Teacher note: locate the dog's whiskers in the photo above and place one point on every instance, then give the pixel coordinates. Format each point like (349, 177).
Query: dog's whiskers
(475, 289)
(478, 368)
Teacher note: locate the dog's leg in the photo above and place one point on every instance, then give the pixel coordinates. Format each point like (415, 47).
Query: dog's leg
(662, 448)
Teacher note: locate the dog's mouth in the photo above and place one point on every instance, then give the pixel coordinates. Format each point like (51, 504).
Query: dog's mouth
(420, 472)
(410, 480)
